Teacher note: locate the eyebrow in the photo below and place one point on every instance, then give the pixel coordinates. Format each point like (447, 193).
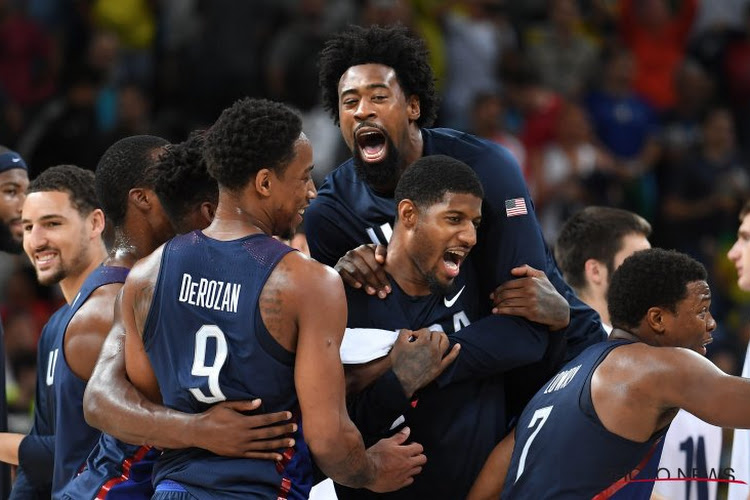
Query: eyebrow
(45, 218)
(371, 86)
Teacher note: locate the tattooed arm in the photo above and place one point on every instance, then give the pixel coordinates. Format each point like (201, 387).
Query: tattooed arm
(290, 307)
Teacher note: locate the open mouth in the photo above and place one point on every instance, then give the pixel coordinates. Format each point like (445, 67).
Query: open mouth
(44, 259)
(452, 260)
(372, 144)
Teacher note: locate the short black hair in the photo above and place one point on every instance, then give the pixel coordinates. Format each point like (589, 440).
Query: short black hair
(746, 207)
(181, 179)
(126, 164)
(650, 278)
(427, 180)
(250, 135)
(594, 233)
(393, 46)
(76, 181)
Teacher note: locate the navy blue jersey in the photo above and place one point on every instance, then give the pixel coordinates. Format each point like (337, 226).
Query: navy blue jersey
(76, 438)
(115, 470)
(207, 343)
(36, 453)
(459, 424)
(562, 450)
(347, 213)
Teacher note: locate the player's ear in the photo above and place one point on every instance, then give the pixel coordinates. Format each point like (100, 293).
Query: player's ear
(96, 221)
(595, 272)
(656, 320)
(407, 213)
(208, 210)
(140, 198)
(263, 181)
(413, 109)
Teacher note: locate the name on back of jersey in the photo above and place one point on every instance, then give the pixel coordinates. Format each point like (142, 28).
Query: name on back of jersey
(561, 380)
(210, 294)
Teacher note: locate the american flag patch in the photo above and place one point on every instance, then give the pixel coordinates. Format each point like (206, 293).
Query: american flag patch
(516, 206)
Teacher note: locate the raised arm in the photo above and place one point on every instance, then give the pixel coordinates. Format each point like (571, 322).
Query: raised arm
(698, 386)
(333, 439)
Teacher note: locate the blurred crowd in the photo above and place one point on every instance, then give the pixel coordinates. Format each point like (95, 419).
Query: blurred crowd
(638, 104)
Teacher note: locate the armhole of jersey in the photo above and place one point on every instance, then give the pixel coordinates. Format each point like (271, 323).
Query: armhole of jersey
(585, 400)
(267, 342)
(153, 312)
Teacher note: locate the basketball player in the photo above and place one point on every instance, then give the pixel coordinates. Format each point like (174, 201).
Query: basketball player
(189, 196)
(379, 88)
(612, 404)
(459, 419)
(590, 247)
(62, 225)
(198, 332)
(739, 254)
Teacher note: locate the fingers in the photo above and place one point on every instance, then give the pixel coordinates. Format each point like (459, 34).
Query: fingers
(380, 253)
(272, 431)
(276, 457)
(450, 357)
(271, 418)
(259, 445)
(361, 267)
(527, 270)
(240, 406)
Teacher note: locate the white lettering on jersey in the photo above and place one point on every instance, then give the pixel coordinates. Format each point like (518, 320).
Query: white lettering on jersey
(562, 379)
(387, 231)
(210, 294)
(51, 364)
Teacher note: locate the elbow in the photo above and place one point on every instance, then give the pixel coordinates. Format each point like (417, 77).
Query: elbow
(93, 406)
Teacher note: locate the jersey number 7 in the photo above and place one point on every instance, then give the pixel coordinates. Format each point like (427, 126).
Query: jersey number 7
(541, 416)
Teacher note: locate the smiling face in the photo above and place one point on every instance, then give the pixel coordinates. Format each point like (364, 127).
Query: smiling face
(57, 237)
(691, 325)
(443, 235)
(739, 254)
(375, 120)
(294, 190)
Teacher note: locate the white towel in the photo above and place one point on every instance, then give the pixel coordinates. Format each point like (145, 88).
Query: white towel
(362, 345)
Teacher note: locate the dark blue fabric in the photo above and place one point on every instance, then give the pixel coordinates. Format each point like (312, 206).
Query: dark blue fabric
(75, 438)
(186, 315)
(560, 424)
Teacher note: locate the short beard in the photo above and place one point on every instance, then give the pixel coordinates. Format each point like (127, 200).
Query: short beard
(8, 242)
(383, 175)
(437, 287)
(54, 279)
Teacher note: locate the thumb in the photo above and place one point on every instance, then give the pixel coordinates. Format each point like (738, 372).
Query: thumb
(380, 253)
(401, 436)
(521, 270)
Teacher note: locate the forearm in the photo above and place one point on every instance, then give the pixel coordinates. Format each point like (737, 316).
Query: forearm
(9, 443)
(112, 404)
(495, 344)
(343, 458)
(360, 376)
(376, 408)
(489, 484)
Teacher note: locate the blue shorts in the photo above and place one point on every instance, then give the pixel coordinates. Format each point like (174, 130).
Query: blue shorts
(170, 490)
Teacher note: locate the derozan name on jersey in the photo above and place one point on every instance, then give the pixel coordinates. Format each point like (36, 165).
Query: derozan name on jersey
(211, 294)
